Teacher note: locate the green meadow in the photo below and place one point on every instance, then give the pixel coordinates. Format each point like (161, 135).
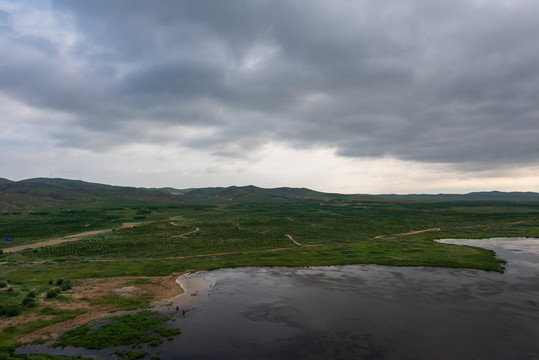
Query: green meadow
(162, 239)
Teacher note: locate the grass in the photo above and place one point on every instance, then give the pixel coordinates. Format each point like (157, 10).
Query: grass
(143, 327)
(132, 302)
(58, 316)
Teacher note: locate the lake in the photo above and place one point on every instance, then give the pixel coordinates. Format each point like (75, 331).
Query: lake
(359, 312)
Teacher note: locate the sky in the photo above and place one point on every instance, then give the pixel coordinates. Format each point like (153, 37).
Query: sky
(349, 96)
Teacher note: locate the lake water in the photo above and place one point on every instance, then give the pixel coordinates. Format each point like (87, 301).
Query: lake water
(361, 312)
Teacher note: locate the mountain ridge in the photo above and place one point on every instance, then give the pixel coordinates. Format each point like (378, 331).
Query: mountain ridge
(42, 193)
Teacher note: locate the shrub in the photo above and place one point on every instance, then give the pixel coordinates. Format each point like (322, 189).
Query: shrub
(29, 302)
(3, 284)
(66, 285)
(10, 310)
(52, 293)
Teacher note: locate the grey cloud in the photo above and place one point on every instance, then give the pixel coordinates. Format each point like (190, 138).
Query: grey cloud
(451, 82)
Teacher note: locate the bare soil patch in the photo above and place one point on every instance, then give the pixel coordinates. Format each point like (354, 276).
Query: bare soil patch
(81, 296)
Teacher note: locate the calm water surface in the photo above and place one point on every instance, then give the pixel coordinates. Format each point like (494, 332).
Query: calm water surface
(362, 312)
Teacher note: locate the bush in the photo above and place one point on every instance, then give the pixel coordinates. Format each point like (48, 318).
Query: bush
(66, 285)
(3, 284)
(29, 302)
(52, 293)
(7, 350)
(59, 282)
(10, 310)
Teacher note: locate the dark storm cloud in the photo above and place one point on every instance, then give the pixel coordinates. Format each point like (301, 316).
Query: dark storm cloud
(445, 81)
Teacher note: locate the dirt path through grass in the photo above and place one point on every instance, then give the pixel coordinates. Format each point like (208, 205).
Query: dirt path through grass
(67, 238)
(408, 233)
(294, 241)
(183, 236)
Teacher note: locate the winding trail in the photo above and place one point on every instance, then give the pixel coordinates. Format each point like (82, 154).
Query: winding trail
(294, 241)
(184, 235)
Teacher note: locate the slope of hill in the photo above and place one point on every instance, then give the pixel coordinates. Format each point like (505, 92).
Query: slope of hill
(255, 194)
(45, 193)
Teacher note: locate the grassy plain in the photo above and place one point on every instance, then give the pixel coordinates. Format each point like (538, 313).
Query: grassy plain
(165, 239)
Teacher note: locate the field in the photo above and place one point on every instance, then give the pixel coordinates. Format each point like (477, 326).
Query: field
(38, 286)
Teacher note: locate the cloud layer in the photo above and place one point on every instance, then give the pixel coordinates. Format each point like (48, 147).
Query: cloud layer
(447, 82)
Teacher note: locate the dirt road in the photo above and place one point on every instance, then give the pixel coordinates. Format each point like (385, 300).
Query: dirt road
(408, 233)
(63, 239)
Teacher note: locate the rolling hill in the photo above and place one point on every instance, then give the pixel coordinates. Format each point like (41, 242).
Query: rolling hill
(47, 193)
(473, 196)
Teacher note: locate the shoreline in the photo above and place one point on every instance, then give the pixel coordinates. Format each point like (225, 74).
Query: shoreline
(165, 291)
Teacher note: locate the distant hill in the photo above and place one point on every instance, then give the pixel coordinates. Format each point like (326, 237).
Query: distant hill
(473, 196)
(48, 193)
(255, 194)
(53, 193)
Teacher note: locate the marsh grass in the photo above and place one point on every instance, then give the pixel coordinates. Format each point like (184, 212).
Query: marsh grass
(131, 302)
(142, 327)
(58, 316)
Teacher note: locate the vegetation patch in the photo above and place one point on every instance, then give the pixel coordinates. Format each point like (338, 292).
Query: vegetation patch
(7, 353)
(139, 281)
(130, 354)
(11, 332)
(143, 327)
(124, 301)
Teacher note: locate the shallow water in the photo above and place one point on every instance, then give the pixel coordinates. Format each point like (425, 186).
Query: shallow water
(362, 312)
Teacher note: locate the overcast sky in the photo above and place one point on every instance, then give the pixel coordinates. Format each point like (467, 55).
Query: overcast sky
(351, 96)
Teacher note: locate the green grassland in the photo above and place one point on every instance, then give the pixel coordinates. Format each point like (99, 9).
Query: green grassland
(191, 236)
(248, 230)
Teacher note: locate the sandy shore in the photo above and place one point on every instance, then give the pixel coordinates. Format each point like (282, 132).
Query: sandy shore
(193, 285)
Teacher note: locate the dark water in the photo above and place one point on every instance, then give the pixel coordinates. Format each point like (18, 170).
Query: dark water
(363, 312)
